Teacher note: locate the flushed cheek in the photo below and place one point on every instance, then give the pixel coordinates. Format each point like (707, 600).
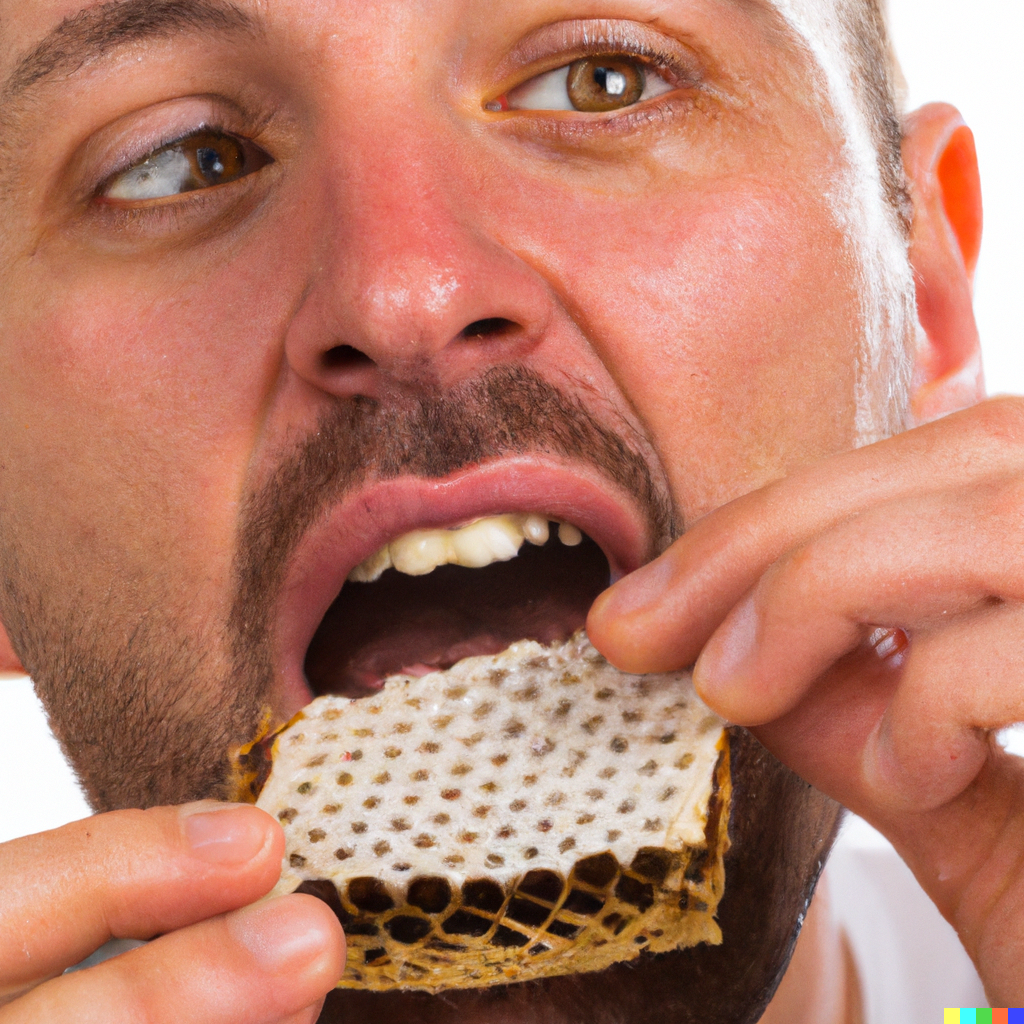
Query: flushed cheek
(142, 394)
(729, 320)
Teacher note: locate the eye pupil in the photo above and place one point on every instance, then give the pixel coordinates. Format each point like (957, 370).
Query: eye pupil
(210, 162)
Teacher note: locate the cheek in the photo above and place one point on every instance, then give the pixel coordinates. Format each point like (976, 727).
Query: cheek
(730, 323)
(136, 400)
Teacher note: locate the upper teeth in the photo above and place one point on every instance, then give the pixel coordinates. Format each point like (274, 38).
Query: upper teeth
(496, 539)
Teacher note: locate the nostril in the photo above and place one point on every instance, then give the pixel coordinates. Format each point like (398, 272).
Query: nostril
(490, 328)
(345, 357)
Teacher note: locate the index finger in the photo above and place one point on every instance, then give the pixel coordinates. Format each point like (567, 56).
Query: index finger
(658, 618)
(127, 874)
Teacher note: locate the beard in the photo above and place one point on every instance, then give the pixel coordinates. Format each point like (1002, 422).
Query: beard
(147, 706)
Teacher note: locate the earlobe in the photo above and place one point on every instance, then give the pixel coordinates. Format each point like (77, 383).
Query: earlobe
(9, 661)
(942, 171)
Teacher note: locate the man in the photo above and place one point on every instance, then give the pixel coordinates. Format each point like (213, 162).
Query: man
(285, 281)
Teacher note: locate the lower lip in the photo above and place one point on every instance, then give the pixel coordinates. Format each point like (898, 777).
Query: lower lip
(364, 522)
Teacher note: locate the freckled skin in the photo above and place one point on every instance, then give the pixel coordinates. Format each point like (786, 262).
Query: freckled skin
(677, 271)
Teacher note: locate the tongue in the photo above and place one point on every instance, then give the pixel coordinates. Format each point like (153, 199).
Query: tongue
(418, 647)
(418, 624)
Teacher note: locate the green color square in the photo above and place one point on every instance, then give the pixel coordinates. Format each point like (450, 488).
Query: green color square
(983, 1016)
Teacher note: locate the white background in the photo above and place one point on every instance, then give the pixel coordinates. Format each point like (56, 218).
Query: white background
(967, 52)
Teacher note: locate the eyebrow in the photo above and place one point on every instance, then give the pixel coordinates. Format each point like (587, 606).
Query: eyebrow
(95, 32)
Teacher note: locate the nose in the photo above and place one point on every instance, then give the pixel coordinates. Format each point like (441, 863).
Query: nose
(411, 288)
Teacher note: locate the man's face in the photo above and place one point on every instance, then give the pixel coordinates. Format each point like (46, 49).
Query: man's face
(408, 298)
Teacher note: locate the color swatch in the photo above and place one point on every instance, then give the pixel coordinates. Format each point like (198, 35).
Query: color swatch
(966, 1015)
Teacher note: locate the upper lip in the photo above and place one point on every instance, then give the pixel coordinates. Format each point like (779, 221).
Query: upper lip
(382, 510)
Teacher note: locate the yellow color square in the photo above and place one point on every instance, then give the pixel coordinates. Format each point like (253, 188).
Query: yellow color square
(951, 1016)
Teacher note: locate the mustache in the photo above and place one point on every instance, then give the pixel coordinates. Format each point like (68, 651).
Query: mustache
(507, 411)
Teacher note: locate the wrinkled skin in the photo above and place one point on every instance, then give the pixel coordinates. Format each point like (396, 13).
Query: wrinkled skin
(672, 281)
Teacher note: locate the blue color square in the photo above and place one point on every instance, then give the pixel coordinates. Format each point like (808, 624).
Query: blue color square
(1015, 1016)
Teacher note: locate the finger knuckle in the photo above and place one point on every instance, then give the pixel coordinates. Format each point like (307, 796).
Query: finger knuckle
(1003, 505)
(799, 575)
(999, 424)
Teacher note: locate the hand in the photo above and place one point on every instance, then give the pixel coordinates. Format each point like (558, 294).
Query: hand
(182, 874)
(865, 617)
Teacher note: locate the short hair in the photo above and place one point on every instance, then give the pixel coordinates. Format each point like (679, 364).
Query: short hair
(881, 88)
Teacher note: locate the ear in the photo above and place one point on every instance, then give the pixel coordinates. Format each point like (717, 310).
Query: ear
(942, 170)
(9, 661)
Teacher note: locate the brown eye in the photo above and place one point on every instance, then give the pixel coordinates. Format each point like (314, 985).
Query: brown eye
(597, 84)
(199, 161)
(215, 159)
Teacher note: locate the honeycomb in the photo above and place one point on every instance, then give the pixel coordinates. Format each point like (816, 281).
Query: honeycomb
(518, 816)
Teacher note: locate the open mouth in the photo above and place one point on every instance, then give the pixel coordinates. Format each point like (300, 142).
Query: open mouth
(433, 597)
(414, 574)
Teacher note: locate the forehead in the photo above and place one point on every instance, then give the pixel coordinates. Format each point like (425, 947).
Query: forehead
(26, 24)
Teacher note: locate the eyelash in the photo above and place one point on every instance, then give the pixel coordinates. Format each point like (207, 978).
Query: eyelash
(681, 75)
(172, 213)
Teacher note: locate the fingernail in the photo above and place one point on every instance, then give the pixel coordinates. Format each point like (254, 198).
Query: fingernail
(281, 934)
(224, 834)
(729, 651)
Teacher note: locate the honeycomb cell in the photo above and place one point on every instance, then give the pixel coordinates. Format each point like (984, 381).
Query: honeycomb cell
(636, 893)
(585, 904)
(508, 937)
(483, 894)
(527, 912)
(653, 863)
(464, 923)
(430, 894)
(408, 930)
(542, 884)
(369, 894)
(563, 929)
